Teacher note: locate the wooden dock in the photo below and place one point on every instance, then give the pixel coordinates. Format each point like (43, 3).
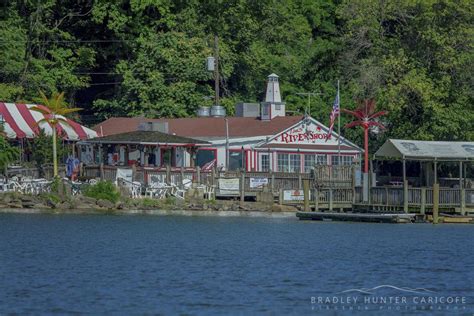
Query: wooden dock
(328, 189)
(357, 217)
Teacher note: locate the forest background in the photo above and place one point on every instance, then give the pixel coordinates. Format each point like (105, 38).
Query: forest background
(147, 57)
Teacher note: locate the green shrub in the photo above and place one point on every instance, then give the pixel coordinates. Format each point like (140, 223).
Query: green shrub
(170, 200)
(147, 202)
(53, 197)
(103, 190)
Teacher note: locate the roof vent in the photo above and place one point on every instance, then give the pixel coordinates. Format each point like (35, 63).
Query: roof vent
(247, 110)
(218, 111)
(154, 127)
(203, 111)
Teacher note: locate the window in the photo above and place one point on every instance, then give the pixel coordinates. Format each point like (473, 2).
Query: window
(309, 162)
(235, 160)
(204, 156)
(289, 162)
(282, 160)
(264, 162)
(295, 163)
(322, 160)
(166, 156)
(342, 160)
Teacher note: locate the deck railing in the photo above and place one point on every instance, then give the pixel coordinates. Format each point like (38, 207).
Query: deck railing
(323, 176)
(34, 173)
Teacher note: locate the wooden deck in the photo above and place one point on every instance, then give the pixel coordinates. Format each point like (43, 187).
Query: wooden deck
(332, 188)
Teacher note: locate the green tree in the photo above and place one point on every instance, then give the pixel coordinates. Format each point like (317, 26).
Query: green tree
(40, 149)
(8, 154)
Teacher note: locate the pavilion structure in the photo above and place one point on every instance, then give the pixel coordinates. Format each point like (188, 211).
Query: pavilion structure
(432, 156)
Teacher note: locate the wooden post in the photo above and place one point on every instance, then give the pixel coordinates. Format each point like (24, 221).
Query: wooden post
(134, 172)
(273, 181)
(81, 169)
(404, 165)
(423, 201)
(463, 201)
(435, 172)
(242, 188)
(198, 175)
(435, 203)
(330, 199)
(182, 177)
(306, 195)
(280, 197)
(353, 185)
(316, 200)
(213, 176)
(460, 175)
(299, 181)
(101, 168)
(168, 174)
(405, 196)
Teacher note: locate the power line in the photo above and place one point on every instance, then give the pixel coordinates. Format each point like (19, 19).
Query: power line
(66, 41)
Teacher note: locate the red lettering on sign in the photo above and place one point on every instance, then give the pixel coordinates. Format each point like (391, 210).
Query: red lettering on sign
(299, 137)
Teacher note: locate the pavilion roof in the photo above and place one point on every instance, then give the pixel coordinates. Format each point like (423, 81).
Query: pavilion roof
(147, 138)
(426, 150)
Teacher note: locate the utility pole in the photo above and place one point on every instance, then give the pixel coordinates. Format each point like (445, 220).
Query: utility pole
(216, 69)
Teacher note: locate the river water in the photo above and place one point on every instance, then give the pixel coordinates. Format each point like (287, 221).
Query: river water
(95, 264)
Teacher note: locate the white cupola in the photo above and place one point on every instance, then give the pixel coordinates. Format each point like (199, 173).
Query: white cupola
(272, 106)
(273, 89)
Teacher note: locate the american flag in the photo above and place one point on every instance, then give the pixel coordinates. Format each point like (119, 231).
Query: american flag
(334, 114)
(208, 166)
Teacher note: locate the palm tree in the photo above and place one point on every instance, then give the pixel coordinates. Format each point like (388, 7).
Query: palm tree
(365, 116)
(54, 111)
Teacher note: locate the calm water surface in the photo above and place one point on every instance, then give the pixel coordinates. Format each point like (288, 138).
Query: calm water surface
(212, 265)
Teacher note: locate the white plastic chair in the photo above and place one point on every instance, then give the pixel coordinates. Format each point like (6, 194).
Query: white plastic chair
(209, 192)
(135, 188)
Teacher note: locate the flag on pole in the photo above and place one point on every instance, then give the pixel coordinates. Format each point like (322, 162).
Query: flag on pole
(334, 114)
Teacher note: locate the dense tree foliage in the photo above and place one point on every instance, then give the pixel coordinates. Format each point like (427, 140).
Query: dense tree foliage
(147, 57)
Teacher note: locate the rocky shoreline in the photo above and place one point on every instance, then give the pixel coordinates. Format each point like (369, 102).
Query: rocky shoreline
(49, 203)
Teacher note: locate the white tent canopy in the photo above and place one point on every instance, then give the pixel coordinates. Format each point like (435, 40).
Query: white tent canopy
(426, 150)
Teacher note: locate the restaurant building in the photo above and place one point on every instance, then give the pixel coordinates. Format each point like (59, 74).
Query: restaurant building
(260, 137)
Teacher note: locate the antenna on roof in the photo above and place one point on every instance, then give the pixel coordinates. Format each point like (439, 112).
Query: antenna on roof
(307, 111)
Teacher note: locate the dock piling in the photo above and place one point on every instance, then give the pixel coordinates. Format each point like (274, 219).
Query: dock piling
(306, 195)
(435, 203)
(405, 196)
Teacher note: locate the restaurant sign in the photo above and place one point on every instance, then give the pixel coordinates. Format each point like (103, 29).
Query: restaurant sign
(258, 182)
(305, 134)
(229, 186)
(294, 195)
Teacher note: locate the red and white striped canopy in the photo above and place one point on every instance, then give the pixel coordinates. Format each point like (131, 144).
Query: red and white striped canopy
(22, 122)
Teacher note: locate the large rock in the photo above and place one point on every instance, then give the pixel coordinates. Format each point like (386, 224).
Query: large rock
(283, 208)
(105, 204)
(51, 203)
(64, 205)
(29, 204)
(86, 199)
(265, 197)
(6, 198)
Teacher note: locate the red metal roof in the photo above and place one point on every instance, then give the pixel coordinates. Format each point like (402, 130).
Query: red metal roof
(203, 126)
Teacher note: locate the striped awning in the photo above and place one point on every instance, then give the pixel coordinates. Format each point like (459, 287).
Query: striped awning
(22, 122)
